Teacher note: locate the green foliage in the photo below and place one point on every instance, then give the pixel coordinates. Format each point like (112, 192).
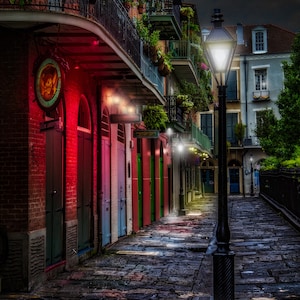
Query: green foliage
(149, 36)
(294, 162)
(289, 101)
(200, 95)
(266, 130)
(20, 2)
(239, 131)
(187, 11)
(155, 117)
(270, 163)
(281, 138)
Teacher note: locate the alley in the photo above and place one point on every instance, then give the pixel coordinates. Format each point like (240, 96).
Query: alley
(171, 259)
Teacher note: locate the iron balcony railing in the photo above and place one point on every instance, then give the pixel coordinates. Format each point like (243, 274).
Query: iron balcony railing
(164, 15)
(164, 7)
(191, 133)
(151, 72)
(175, 113)
(112, 15)
(185, 50)
(200, 138)
(109, 13)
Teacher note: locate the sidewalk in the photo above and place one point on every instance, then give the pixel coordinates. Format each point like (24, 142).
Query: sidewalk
(169, 259)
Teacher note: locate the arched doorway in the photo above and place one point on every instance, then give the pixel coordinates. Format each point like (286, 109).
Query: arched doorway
(234, 167)
(84, 175)
(105, 178)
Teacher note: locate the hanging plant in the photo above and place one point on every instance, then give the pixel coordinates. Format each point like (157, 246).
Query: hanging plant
(187, 105)
(181, 97)
(128, 3)
(165, 67)
(141, 6)
(150, 38)
(155, 117)
(187, 12)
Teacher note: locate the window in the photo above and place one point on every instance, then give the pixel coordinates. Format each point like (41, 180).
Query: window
(261, 79)
(259, 40)
(232, 89)
(206, 125)
(231, 121)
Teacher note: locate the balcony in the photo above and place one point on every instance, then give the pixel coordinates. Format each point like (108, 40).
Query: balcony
(98, 37)
(197, 139)
(175, 114)
(261, 96)
(185, 58)
(165, 17)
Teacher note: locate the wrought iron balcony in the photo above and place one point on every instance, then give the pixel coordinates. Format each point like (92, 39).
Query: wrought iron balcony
(197, 139)
(109, 13)
(165, 17)
(185, 59)
(261, 96)
(175, 114)
(112, 53)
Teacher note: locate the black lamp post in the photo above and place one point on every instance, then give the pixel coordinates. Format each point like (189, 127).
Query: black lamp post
(219, 48)
(251, 174)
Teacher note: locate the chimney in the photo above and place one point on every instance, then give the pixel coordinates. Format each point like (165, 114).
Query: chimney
(240, 34)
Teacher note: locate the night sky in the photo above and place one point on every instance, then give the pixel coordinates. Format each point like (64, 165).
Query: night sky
(283, 13)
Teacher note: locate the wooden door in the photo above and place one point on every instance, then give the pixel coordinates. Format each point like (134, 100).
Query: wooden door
(84, 189)
(54, 194)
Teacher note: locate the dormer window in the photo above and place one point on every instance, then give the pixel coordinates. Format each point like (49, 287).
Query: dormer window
(259, 40)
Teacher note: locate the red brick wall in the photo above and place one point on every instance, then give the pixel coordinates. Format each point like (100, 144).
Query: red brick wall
(13, 131)
(36, 153)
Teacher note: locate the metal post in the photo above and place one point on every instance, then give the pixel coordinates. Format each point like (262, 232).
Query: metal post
(223, 258)
(251, 185)
(181, 195)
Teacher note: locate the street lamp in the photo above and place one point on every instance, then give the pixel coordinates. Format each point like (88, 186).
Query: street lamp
(251, 174)
(219, 49)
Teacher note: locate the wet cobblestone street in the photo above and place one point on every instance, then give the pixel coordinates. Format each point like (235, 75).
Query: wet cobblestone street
(171, 259)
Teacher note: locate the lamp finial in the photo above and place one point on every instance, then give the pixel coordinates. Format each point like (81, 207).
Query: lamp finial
(217, 18)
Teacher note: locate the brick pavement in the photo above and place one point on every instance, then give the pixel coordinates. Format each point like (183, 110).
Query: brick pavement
(169, 259)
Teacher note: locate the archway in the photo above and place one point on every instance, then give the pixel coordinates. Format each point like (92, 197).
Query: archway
(234, 167)
(84, 175)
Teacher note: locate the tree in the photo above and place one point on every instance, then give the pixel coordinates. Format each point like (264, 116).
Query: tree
(281, 138)
(266, 131)
(289, 102)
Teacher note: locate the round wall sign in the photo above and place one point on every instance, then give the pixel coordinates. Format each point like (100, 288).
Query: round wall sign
(48, 84)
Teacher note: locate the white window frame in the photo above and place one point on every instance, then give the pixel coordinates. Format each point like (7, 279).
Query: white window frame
(262, 42)
(261, 80)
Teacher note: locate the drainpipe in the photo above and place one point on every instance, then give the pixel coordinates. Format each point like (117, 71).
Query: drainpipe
(246, 95)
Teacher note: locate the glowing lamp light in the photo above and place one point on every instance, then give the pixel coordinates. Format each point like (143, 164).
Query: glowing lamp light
(180, 147)
(219, 48)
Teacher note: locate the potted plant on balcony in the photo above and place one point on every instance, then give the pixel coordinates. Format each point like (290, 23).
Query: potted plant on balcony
(128, 3)
(181, 97)
(153, 45)
(141, 6)
(150, 38)
(187, 12)
(239, 131)
(155, 117)
(165, 67)
(187, 106)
